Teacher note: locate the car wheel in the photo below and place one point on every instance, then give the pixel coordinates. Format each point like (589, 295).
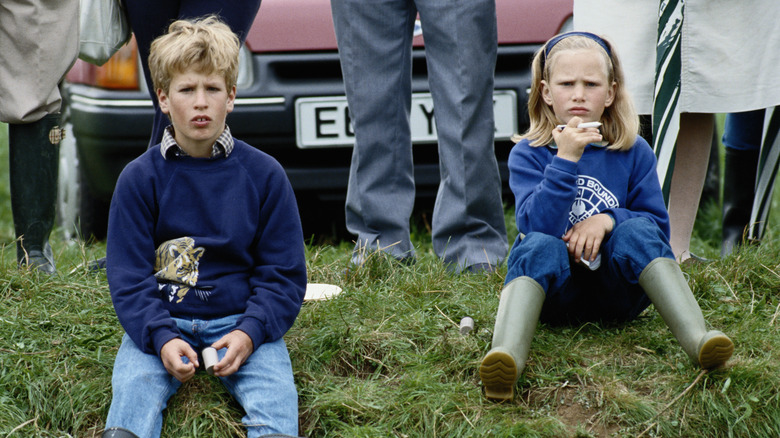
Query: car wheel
(79, 214)
(68, 186)
(93, 213)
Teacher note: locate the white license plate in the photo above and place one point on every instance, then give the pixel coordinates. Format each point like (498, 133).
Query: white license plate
(324, 121)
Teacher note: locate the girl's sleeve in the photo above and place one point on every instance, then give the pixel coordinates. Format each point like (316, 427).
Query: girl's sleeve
(544, 187)
(644, 196)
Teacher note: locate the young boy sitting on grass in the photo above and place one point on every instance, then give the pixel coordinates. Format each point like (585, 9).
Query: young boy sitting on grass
(204, 248)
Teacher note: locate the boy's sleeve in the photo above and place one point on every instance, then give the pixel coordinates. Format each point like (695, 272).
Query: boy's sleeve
(130, 250)
(278, 280)
(544, 186)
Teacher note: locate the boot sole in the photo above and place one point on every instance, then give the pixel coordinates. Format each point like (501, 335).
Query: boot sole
(499, 373)
(715, 351)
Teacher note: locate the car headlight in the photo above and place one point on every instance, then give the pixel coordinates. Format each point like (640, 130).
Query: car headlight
(122, 71)
(245, 68)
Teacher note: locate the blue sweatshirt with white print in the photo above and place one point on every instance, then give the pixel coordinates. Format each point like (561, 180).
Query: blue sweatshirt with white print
(552, 194)
(205, 238)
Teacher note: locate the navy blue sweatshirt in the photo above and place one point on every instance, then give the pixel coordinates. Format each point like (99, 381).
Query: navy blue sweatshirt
(205, 238)
(552, 194)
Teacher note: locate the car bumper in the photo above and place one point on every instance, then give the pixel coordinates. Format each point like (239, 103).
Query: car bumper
(113, 127)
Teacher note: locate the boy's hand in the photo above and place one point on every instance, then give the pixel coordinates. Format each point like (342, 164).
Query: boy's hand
(571, 141)
(585, 237)
(171, 354)
(239, 347)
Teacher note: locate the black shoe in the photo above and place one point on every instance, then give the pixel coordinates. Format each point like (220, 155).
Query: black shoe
(97, 265)
(480, 268)
(738, 191)
(118, 432)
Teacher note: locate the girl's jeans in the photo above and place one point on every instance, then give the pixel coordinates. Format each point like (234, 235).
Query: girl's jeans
(263, 385)
(575, 293)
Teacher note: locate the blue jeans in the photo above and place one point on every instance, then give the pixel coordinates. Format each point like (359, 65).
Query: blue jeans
(575, 294)
(263, 385)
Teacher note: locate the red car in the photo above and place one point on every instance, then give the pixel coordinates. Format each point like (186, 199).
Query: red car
(290, 103)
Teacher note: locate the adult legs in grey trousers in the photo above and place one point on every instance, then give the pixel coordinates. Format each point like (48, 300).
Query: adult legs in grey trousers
(375, 38)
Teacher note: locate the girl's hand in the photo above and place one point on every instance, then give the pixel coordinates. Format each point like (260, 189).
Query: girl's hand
(585, 237)
(572, 140)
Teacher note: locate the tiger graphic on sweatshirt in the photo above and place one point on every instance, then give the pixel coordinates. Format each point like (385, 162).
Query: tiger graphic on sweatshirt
(176, 266)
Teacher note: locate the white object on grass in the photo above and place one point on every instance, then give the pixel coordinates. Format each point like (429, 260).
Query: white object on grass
(466, 325)
(320, 291)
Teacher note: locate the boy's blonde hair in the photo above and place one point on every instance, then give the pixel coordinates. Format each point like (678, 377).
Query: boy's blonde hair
(206, 45)
(620, 122)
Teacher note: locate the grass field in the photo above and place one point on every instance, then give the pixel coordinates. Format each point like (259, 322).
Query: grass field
(385, 358)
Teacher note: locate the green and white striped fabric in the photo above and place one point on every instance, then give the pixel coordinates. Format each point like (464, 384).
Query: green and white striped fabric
(666, 117)
(768, 161)
(666, 112)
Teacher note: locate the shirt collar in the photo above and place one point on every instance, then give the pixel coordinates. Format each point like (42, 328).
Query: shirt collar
(224, 144)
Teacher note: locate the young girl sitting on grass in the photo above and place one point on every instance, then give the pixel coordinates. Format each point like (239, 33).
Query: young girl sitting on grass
(594, 230)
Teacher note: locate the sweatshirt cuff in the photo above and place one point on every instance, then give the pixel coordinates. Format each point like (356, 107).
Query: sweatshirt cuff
(254, 329)
(611, 216)
(564, 165)
(160, 339)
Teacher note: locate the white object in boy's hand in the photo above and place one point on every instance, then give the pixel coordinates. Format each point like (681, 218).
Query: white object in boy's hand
(210, 359)
(583, 125)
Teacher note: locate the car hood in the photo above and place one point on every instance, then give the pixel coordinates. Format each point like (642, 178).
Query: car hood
(307, 25)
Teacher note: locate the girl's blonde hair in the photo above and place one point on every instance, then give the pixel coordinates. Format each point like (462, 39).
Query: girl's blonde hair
(620, 122)
(206, 45)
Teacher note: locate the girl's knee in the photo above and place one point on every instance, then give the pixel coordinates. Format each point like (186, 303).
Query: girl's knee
(638, 228)
(539, 245)
(539, 256)
(639, 237)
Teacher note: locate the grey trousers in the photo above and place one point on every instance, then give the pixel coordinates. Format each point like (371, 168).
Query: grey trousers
(39, 42)
(375, 42)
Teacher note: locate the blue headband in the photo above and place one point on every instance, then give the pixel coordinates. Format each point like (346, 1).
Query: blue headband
(556, 39)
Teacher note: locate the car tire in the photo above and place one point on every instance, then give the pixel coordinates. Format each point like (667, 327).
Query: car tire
(93, 213)
(68, 185)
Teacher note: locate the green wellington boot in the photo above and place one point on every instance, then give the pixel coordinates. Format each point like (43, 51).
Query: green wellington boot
(518, 314)
(34, 164)
(663, 281)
